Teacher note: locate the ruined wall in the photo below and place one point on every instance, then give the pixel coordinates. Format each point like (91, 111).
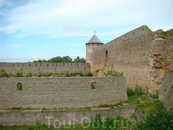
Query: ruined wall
(37, 68)
(61, 92)
(160, 58)
(135, 54)
(166, 92)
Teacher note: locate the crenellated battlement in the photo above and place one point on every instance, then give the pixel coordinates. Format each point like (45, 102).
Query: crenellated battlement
(28, 64)
(46, 67)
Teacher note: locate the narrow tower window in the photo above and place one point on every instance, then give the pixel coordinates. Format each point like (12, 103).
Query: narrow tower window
(106, 58)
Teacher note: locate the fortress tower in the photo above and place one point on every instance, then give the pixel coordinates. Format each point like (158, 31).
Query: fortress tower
(93, 42)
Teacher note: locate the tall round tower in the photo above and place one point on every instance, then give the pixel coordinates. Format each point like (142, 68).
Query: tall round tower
(92, 43)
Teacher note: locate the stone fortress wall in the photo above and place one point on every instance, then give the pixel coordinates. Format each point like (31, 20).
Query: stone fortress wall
(61, 118)
(72, 92)
(36, 68)
(141, 55)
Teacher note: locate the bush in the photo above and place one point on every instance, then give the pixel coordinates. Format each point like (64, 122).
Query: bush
(19, 74)
(159, 120)
(67, 75)
(88, 75)
(3, 73)
(130, 92)
(76, 73)
(29, 74)
(139, 90)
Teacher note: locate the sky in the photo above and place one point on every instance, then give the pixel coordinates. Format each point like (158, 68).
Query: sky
(42, 29)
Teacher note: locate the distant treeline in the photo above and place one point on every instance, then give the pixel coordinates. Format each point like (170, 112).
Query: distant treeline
(63, 59)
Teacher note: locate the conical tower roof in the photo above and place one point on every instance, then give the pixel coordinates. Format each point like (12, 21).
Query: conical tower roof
(94, 39)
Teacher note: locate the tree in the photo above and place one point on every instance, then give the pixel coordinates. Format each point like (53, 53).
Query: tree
(78, 59)
(66, 59)
(63, 59)
(55, 59)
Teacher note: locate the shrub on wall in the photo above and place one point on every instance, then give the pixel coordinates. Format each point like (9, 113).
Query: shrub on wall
(137, 91)
(29, 74)
(3, 73)
(87, 75)
(130, 92)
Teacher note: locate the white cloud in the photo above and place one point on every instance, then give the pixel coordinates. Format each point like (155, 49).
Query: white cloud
(15, 46)
(77, 17)
(34, 57)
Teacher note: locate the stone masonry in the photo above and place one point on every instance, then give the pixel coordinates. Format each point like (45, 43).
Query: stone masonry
(143, 56)
(36, 68)
(61, 92)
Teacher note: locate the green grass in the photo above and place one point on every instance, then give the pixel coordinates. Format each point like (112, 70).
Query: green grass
(106, 105)
(119, 104)
(21, 108)
(133, 117)
(149, 107)
(114, 74)
(146, 102)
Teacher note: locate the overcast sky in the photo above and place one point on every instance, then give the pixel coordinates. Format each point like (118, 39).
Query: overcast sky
(42, 29)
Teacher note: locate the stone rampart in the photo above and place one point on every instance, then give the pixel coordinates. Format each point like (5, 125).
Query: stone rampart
(141, 55)
(36, 68)
(61, 118)
(61, 92)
